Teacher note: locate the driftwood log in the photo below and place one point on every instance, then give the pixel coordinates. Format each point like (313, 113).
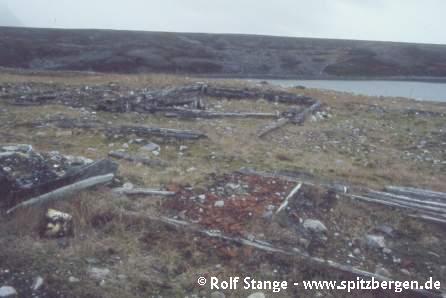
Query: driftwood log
(143, 191)
(433, 211)
(191, 113)
(417, 193)
(427, 209)
(299, 118)
(97, 168)
(145, 131)
(63, 192)
(289, 196)
(272, 126)
(142, 131)
(294, 116)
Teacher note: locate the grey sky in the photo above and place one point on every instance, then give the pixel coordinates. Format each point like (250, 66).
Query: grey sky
(391, 20)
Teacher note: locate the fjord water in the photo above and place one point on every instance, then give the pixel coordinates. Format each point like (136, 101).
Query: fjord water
(408, 89)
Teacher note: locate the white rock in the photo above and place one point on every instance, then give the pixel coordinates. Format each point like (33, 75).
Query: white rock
(232, 186)
(405, 272)
(37, 284)
(7, 291)
(387, 250)
(217, 294)
(257, 295)
(219, 204)
(314, 225)
(182, 148)
(151, 147)
(128, 185)
(73, 279)
(98, 273)
(382, 271)
(375, 241)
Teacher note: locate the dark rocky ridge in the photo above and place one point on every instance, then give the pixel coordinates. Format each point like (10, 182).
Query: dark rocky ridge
(227, 55)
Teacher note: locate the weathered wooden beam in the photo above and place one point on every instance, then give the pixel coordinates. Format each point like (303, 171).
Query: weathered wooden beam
(300, 117)
(191, 113)
(290, 195)
(63, 192)
(272, 126)
(97, 168)
(435, 216)
(417, 193)
(157, 131)
(143, 191)
(408, 200)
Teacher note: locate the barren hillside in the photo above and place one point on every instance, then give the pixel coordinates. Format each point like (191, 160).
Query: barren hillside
(217, 54)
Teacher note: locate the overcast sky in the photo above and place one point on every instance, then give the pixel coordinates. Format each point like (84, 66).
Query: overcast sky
(391, 20)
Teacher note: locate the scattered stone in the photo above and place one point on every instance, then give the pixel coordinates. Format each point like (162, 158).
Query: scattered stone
(128, 185)
(73, 279)
(98, 273)
(138, 141)
(357, 251)
(405, 272)
(314, 225)
(257, 295)
(375, 241)
(7, 291)
(219, 204)
(385, 229)
(183, 148)
(217, 294)
(304, 242)
(78, 160)
(37, 284)
(380, 270)
(151, 147)
(387, 251)
(232, 186)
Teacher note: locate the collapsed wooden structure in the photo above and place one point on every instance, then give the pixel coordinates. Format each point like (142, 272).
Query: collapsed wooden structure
(183, 102)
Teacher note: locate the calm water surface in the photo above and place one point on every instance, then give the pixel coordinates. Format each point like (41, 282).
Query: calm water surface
(415, 90)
